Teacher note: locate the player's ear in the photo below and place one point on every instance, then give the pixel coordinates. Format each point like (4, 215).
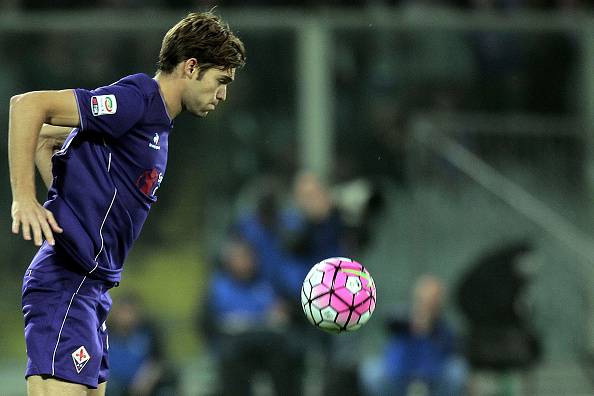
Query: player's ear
(191, 68)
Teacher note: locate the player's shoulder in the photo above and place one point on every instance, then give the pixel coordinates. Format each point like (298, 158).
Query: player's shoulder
(140, 81)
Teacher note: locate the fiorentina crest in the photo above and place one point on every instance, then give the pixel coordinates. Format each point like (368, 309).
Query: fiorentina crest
(80, 357)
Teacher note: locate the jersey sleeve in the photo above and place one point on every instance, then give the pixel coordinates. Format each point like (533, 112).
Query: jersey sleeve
(112, 110)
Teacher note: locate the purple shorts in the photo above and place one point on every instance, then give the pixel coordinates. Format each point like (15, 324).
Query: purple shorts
(65, 312)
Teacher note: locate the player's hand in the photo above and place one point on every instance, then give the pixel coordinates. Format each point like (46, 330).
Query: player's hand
(35, 221)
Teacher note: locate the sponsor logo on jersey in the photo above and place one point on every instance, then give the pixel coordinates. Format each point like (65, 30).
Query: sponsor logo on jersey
(80, 357)
(104, 104)
(149, 181)
(155, 143)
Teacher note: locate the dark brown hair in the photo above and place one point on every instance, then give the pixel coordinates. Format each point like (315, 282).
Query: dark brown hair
(203, 36)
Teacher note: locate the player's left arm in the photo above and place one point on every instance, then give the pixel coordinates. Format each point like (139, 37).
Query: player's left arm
(51, 139)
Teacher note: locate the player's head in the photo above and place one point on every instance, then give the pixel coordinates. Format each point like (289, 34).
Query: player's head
(126, 314)
(239, 259)
(312, 196)
(204, 52)
(428, 295)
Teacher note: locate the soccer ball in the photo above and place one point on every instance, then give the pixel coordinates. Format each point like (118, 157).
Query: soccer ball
(338, 294)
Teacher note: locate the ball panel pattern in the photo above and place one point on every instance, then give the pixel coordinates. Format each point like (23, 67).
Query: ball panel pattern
(338, 294)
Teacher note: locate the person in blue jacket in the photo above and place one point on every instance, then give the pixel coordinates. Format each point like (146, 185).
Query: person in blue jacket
(421, 350)
(245, 321)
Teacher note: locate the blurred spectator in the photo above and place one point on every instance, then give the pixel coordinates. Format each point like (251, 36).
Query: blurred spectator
(244, 320)
(420, 351)
(316, 229)
(318, 232)
(288, 242)
(264, 229)
(136, 359)
(491, 294)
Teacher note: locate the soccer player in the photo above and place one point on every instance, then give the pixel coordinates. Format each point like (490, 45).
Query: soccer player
(102, 182)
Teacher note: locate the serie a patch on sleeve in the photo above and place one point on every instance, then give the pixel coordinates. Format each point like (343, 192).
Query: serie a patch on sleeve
(103, 104)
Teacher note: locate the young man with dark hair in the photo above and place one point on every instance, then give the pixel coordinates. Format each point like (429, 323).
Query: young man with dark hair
(111, 160)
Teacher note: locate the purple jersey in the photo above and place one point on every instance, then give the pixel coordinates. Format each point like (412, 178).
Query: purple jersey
(107, 173)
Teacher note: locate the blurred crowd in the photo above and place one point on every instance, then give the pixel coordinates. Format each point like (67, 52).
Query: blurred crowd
(251, 318)
(254, 330)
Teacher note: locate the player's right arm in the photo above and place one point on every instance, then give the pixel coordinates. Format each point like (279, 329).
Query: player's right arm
(28, 113)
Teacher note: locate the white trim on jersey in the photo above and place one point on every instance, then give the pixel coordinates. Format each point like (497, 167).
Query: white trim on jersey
(80, 116)
(101, 229)
(67, 144)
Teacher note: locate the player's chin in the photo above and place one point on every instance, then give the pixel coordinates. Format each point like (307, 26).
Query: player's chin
(200, 113)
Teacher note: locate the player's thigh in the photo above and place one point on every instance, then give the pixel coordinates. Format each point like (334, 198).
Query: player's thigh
(39, 386)
(100, 391)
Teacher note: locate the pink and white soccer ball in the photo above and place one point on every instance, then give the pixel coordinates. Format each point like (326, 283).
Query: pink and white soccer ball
(338, 294)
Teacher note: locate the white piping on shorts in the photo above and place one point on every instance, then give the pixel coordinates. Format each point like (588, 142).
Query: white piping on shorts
(64, 321)
(101, 229)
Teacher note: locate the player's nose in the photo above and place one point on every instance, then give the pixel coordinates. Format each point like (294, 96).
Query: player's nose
(222, 93)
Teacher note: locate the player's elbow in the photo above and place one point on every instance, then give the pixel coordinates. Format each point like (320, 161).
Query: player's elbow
(30, 103)
(17, 104)
(15, 100)
(21, 101)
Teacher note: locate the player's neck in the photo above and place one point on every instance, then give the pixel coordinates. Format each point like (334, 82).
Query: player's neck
(170, 92)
